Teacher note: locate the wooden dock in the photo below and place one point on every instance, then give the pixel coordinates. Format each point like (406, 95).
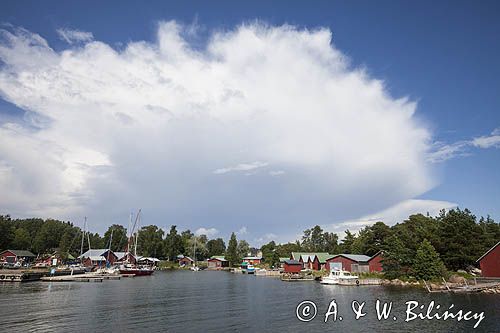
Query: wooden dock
(19, 275)
(89, 277)
(467, 288)
(360, 282)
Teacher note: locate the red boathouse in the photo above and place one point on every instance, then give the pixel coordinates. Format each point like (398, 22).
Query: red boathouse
(375, 262)
(292, 266)
(490, 262)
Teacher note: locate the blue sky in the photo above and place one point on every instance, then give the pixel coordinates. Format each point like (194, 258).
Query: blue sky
(442, 56)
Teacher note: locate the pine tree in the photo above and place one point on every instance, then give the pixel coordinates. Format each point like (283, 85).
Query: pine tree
(427, 264)
(232, 250)
(396, 259)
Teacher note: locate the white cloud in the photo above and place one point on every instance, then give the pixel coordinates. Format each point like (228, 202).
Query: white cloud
(489, 141)
(74, 36)
(242, 167)
(276, 172)
(392, 215)
(209, 232)
(443, 152)
(147, 125)
(266, 238)
(242, 231)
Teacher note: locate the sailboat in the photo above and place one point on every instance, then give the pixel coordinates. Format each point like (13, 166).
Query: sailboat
(131, 267)
(194, 267)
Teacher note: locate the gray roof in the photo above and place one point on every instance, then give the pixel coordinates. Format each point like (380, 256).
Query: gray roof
(97, 258)
(22, 253)
(292, 262)
(93, 253)
(354, 257)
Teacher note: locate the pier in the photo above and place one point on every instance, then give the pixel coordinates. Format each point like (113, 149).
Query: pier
(88, 277)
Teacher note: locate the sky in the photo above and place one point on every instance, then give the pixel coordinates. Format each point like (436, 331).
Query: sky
(260, 118)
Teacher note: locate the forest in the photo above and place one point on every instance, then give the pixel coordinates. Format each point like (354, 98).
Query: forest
(420, 246)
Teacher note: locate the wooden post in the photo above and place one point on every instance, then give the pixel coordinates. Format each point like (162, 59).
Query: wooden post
(426, 286)
(446, 284)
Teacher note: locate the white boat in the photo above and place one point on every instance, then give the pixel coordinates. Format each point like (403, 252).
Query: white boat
(337, 276)
(250, 269)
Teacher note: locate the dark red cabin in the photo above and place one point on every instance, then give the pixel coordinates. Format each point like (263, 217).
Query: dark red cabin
(292, 266)
(375, 262)
(490, 262)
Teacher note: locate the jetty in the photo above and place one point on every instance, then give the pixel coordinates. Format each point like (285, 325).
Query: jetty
(297, 277)
(360, 282)
(19, 275)
(466, 288)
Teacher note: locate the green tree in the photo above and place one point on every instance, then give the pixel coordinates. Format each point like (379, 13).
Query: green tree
(216, 247)
(232, 250)
(6, 233)
(150, 242)
(370, 239)
(119, 240)
(70, 242)
(243, 249)
(186, 237)
(427, 264)
(285, 250)
(460, 239)
(201, 247)
(173, 244)
(21, 240)
(347, 243)
(397, 258)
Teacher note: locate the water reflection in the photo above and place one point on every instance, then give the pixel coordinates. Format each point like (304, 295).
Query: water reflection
(217, 302)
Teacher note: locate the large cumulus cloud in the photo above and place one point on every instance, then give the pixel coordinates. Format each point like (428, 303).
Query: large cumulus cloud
(265, 127)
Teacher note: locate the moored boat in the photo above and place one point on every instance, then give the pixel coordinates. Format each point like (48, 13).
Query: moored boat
(136, 270)
(338, 276)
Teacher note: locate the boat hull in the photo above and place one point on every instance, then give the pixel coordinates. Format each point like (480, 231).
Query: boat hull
(137, 272)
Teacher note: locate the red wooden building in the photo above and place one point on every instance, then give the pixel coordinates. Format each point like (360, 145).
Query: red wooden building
(490, 262)
(349, 262)
(217, 262)
(185, 261)
(98, 257)
(13, 256)
(375, 262)
(253, 260)
(314, 260)
(292, 266)
(125, 257)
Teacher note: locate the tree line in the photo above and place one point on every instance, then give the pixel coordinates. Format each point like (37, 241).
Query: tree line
(419, 246)
(47, 236)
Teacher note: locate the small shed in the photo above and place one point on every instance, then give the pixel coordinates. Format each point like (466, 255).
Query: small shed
(490, 262)
(13, 256)
(217, 262)
(357, 263)
(185, 261)
(292, 266)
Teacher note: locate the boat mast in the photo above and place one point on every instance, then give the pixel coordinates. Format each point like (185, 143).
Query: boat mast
(194, 252)
(110, 240)
(138, 219)
(83, 235)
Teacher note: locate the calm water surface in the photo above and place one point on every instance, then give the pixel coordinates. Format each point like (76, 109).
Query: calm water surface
(185, 301)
